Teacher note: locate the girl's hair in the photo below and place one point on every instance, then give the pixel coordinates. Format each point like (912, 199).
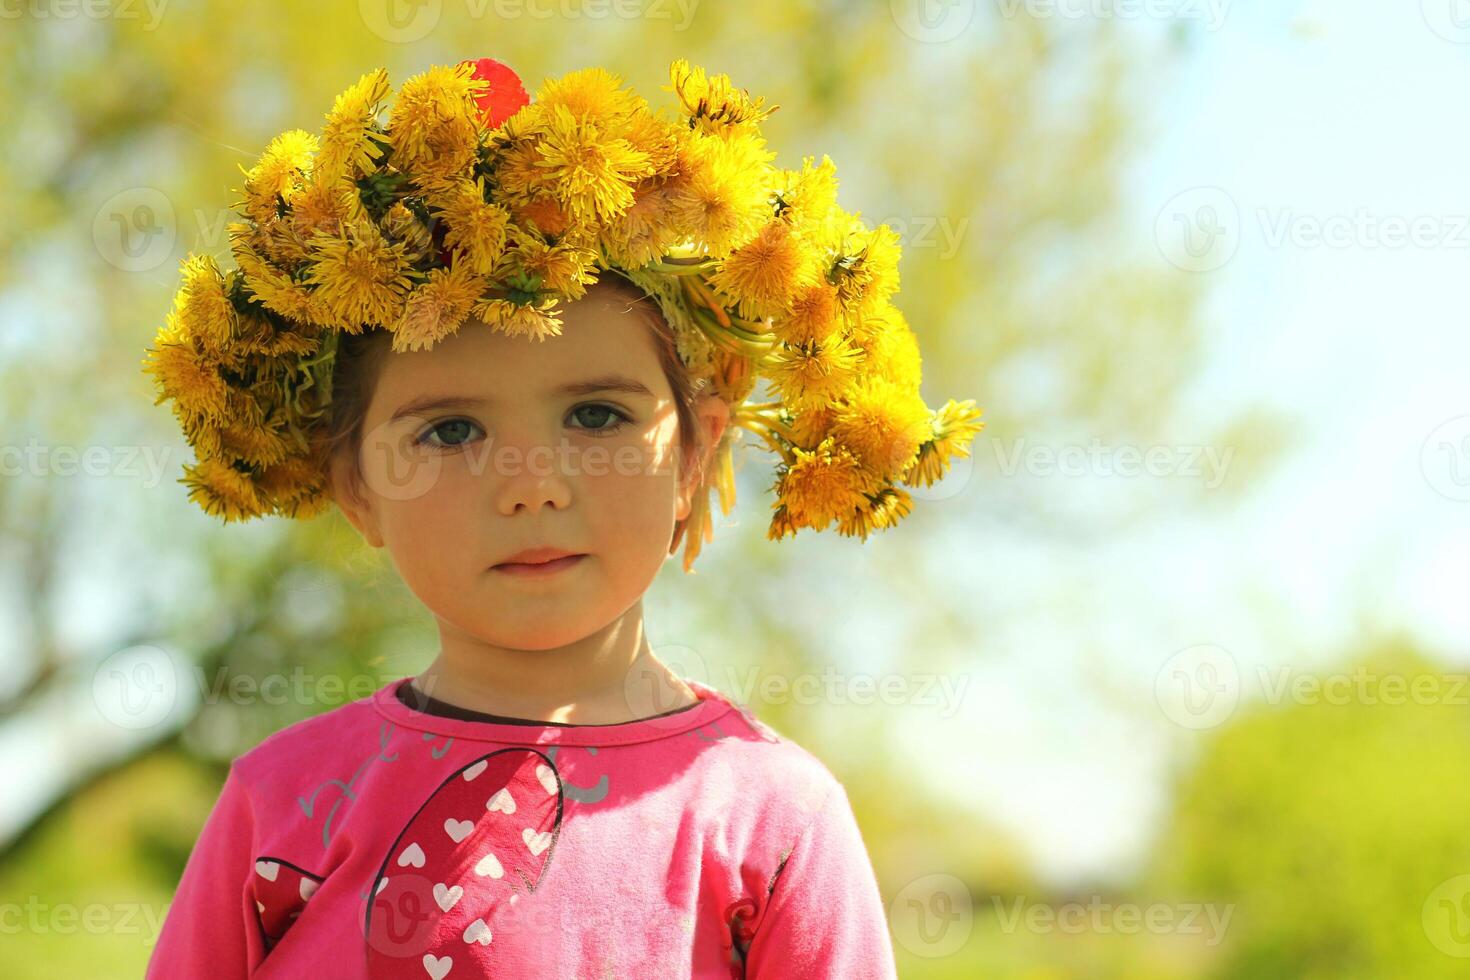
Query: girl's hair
(359, 361)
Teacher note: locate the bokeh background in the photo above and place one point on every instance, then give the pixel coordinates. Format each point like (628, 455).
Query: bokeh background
(1168, 680)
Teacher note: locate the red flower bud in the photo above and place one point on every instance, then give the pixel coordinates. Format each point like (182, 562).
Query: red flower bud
(505, 95)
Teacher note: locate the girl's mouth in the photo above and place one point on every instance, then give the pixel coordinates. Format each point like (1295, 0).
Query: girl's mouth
(539, 569)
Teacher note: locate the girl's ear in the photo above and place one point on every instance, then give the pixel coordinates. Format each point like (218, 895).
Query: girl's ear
(712, 414)
(347, 492)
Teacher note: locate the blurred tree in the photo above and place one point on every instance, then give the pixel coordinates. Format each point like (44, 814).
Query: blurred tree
(1331, 821)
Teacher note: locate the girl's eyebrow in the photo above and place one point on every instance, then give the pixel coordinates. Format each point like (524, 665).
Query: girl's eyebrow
(607, 382)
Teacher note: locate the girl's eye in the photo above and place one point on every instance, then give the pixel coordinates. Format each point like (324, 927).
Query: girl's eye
(597, 417)
(451, 434)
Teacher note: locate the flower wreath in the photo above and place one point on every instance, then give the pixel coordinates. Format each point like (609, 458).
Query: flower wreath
(473, 202)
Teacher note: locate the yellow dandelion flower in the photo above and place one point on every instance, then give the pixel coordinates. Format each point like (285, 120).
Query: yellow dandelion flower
(404, 227)
(362, 278)
(811, 318)
(437, 307)
(823, 485)
(954, 427)
(534, 321)
(889, 344)
(203, 310)
(592, 92)
(347, 149)
(781, 525)
(473, 229)
(323, 206)
(763, 275)
(273, 287)
(883, 509)
(712, 104)
(645, 232)
(260, 334)
(814, 373)
(294, 486)
(435, 124)
(259, 443)
(564, 267)
(222, 490)
(657, 137)
(591, 174)
(865, 270)
(542, 215)
(811, 425)
(720, 195)
(279, 172)
(181, 373)
(807, 196)
(883, 424)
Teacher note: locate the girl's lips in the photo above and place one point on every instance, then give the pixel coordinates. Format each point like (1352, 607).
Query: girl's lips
(541, 569)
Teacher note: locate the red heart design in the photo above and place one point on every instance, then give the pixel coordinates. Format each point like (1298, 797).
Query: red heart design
(420, 914)
(280, 891)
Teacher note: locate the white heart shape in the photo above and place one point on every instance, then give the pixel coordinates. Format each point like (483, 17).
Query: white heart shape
(381, 885)
(446, 897)
(437, 966)
(489, 865)
(412, 855)
(259, 907)
(536, 842)
(478, 932)
(547, 777)
(308, 887)
(458, 830)
(501, 801)
(267, 869)
(474, 770)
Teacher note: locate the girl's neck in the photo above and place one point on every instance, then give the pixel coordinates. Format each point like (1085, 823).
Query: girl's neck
(608, 677)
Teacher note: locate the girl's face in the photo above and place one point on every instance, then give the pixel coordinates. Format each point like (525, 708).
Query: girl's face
(487, 445)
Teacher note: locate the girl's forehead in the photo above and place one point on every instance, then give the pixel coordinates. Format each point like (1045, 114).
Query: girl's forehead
(598, 339)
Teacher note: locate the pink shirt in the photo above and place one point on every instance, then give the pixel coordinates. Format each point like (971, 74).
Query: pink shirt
(376, 840)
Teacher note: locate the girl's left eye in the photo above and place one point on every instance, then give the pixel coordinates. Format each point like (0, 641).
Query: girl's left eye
(601, 413)
(450, 429)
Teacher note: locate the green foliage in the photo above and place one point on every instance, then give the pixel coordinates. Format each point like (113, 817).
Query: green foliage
(1329, 825)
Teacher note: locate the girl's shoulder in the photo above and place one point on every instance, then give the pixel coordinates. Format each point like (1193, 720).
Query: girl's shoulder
(307, 744)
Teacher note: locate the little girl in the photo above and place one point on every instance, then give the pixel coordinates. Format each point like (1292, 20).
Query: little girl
(510, 341)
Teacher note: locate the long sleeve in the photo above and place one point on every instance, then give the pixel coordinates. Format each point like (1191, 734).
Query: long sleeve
(209, 929)
(825, 916)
